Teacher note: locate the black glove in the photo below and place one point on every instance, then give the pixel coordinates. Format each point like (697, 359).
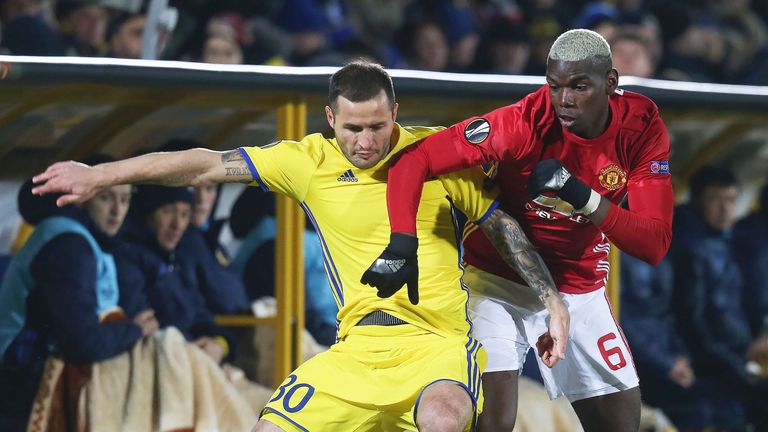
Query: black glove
(551, 175)
(396, 266)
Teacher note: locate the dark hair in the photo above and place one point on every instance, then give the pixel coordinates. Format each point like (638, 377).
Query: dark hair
(359, 81)
(708, 176)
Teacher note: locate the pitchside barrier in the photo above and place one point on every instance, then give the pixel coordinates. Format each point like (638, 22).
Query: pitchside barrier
(59, 108)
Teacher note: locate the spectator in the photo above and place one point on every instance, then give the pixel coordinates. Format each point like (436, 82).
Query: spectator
(746, 36)
(694, 50)
(60, 296)
(632, 54)
(305, 21)
(663, 363)
(26, 30)
(84, 26)
(426, 48)
(603, 18)
(750, 238)
(124, 35)
(222, 50)
(167, 277)
(709, 295)
(506, 49)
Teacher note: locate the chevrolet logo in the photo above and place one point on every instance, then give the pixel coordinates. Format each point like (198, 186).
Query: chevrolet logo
(557, 204)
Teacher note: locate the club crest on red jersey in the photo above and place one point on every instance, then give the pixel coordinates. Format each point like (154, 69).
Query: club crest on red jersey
(612, 177)
(477, 130)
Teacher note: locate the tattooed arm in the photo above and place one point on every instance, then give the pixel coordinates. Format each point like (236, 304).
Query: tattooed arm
(508, 238)
(196, 167)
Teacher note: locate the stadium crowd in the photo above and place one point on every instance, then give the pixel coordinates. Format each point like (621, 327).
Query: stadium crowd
(691, 40)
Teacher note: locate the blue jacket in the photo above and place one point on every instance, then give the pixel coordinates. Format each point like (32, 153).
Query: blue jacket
(709, 289)
(221, 287)
(167, 282)
(62, 310)
(70, 281)
(750, 238)
(647, 317)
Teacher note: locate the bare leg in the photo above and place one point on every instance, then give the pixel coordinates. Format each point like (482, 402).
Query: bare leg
(265, 426)
(444, 407)
(500, 407)
(615, 412)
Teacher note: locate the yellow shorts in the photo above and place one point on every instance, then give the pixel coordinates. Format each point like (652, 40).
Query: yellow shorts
(373, 379)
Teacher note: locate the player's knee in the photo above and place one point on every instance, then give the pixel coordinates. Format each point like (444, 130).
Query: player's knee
(440, 420)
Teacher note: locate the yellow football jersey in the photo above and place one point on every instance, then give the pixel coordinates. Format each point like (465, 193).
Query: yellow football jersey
(348, 208)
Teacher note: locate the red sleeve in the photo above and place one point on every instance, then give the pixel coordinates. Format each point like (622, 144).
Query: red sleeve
(475, 141)
(645, 231)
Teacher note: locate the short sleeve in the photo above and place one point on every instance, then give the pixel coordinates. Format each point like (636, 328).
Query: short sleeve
(466, 190)
(285, 166)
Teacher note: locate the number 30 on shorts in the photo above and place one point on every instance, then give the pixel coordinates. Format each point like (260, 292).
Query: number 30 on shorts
(287, 392)
(611, 354)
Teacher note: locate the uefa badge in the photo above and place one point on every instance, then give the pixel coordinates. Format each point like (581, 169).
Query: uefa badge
(612, 177)
(477, 130)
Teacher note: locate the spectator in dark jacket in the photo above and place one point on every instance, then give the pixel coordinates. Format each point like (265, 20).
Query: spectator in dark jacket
(663, 363)
(709, 291)
(750, 235)
(60, 296)
(168, 278)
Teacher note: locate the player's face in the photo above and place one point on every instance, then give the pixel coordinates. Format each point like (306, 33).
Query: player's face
(169, 223)
(718, 206)
(109, 207)
(579, 93)
(363, 129)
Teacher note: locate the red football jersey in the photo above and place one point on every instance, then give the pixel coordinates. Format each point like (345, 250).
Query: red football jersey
(634, 149)
(630, 158)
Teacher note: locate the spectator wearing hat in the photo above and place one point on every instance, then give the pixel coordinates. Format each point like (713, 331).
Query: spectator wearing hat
(60, 296)
(307, 26)
(166, 277)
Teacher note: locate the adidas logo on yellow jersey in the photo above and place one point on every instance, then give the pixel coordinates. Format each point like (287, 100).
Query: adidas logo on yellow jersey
(347, 177)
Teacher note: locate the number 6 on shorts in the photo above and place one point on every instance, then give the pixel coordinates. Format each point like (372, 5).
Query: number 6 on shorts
(607, 353)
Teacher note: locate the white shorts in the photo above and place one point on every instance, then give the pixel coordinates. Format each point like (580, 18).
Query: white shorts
(597, 360)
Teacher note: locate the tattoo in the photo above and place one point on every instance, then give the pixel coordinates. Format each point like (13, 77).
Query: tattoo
(231, 156)
(238, 171)
(237, 166)
(513, 245)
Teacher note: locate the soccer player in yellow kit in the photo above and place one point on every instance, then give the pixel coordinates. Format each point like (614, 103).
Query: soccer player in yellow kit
(397, 365)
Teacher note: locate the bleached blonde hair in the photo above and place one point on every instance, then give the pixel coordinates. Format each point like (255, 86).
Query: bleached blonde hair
(582, 44)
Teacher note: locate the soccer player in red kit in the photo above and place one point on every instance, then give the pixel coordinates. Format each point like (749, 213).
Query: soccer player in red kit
(564, 156)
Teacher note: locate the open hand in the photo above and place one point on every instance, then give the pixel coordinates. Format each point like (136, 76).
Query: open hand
(76, 182)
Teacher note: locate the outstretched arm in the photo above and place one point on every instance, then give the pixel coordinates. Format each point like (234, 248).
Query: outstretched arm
(508, 238)
(197, 167)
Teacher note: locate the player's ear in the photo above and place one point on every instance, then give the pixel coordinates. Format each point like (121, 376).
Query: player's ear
(611, 81)
(329, 115)
(394, 112)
